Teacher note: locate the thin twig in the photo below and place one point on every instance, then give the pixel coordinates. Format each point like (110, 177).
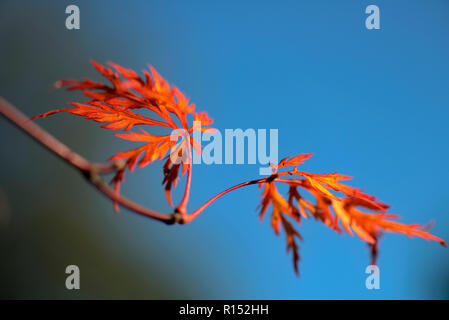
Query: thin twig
(191, 216)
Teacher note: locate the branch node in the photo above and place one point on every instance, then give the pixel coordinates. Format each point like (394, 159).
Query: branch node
(176, 218)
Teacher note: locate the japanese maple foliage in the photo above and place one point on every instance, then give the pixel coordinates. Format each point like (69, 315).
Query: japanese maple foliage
(120, 106)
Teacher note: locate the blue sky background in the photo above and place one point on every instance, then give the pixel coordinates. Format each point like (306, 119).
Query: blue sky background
(372, 104)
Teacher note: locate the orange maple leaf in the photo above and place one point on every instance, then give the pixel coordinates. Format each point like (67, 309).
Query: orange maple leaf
(116, 106)
(281, 209)
(329, 208)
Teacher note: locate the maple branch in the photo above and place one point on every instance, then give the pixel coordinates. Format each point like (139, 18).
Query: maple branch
(90, 171)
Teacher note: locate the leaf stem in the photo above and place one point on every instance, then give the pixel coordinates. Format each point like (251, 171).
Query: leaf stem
(191, 216)
(182, 207)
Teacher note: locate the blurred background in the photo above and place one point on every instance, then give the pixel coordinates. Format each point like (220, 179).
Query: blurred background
(372, 104)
